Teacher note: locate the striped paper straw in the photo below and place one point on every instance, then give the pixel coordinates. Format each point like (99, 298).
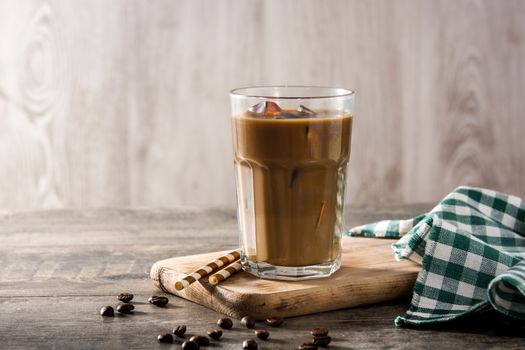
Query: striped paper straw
(223, 274)
(207, 269)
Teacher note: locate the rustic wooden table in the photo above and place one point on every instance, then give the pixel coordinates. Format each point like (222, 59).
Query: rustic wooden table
(57, 268)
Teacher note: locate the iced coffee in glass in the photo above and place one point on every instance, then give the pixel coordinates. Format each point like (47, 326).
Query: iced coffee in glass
(291, 150)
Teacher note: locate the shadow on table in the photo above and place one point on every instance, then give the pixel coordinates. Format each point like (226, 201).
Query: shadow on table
(489, 322)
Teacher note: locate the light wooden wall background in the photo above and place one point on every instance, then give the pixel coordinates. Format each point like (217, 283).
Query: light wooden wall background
(125, 102)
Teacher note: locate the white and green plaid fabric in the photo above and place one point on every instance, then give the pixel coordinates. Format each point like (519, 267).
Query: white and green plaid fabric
(471, 247)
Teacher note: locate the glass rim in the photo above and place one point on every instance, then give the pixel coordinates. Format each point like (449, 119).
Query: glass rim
(339, 92)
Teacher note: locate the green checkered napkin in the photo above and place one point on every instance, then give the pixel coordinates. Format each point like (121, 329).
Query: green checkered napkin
(472, 250)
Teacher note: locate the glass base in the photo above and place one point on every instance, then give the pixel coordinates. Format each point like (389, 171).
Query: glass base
(290, 273)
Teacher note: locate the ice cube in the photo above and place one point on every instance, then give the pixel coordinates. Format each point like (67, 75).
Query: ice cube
(306, 111)
(266, 109)
(301, 112)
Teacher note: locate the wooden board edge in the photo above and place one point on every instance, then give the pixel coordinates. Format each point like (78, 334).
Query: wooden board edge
(234, 305)
(299, 302)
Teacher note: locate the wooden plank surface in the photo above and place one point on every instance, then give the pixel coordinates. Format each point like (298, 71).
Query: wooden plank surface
(125, 103)
(369, 274)
(58, 267)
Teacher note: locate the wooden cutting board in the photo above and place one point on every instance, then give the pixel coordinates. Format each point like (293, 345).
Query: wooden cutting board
(368, 274)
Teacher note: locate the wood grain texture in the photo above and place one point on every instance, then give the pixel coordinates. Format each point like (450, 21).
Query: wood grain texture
(59, 267)
(369, 274)
(125, 103)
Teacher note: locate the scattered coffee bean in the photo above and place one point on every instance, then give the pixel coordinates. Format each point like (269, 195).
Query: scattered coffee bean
(248, 322)
(316, 332)
(158, 300)
(322, 340)
(249, 344)
(125, 297)
(165, 338)
(308, 346)
(179, 331)
(125, 308)
(215, 334)
(201, 340)
(225, 323)
(190, 345)
(262, 334)
(274, 321)
(107, 311)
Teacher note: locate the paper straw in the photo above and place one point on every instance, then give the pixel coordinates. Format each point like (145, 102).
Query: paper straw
(223, 274)
(207, 269)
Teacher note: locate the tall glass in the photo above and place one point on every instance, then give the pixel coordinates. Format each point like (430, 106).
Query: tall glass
(291, 149)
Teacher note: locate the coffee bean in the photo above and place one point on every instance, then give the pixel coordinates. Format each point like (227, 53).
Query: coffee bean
(190, 345)
(317, 332)
(248, 322)
(308, 346)
(179, 331)
(249, 344)
(322, 340)
(125, 297)
(158, 300)
(125, 308)
(274, 321)
(201, 340)
(165, 338)
(107, 311)
(225, 323)
(262, 334)
(215, 334)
